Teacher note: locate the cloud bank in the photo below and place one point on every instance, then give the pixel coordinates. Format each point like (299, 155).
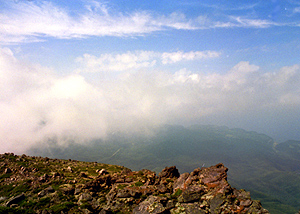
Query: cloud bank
(37, 104)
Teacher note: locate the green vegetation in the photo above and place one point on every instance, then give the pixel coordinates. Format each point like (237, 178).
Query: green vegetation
(4, 176)
(44, 202)
(122, 186)
(64, 207)
(177, 193)
(10, 210)
(138, 184)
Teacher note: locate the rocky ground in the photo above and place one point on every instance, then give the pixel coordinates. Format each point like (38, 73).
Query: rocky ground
(42, 185)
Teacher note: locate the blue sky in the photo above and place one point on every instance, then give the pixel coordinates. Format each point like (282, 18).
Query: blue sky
(130, 66)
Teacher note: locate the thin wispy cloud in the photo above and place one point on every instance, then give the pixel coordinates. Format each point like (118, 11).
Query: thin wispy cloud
(48, 20)
(296, 10)
(255, 23)
(45, 19)
(231, 7)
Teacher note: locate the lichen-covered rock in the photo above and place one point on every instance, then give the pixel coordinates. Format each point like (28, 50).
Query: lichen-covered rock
(152, 204)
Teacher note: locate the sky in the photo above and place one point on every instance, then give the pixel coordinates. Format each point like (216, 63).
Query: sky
(83, 69)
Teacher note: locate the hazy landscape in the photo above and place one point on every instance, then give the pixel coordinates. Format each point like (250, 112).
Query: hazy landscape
(155, 84)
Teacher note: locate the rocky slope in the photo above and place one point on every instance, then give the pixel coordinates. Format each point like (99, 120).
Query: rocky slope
(42, 185)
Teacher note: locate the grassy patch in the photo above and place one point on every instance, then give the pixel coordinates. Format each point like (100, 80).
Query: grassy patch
(138, 184)
(64, 207)
(86, 205)
(6, 190)
(177, 193)
(121, 186)
(5, 176)
(44, 202)
(24, 187)
(10, 210)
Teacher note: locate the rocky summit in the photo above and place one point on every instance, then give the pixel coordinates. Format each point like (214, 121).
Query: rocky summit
(31, 184)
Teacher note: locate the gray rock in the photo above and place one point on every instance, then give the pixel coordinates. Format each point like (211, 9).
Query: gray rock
(191, 194)
(193, 208)
(84, 197)
(2, 198)
(215, 203)
(46, 191)
(150, 205)
(169, 172)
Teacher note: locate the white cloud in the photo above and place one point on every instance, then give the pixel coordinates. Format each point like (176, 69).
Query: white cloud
(117, 62)
(31, 21)
(44, 19)
(36, 104)
(133, 60)
(296, 10)
(256, 23)
(174, 57)
(177, 21)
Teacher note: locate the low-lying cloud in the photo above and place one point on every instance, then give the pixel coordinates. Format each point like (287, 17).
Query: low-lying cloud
(36, 103)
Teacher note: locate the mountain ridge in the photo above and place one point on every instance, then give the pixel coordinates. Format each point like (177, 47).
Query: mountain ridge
(32, 184)
(257, 163)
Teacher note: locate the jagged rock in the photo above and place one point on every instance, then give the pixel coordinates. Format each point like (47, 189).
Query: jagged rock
(246, 203)
(182, 182)
(151, 205)
(67, 189)
(78, 189)
(169, 172)
(98, 183)
(117, 189)
(161, 188)
(191, 194)
(84, 197)
(215, 203)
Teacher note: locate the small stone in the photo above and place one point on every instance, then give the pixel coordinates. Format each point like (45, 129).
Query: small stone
(83, 175)
(246, 203)
(102, 172)
(70, 169)
(46, 191)
(7, 171)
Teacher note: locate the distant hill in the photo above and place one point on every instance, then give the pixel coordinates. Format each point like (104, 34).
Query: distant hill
(30, 184)
(258, 164)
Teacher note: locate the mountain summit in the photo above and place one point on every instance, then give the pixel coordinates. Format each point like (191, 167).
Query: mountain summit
(31, 184)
